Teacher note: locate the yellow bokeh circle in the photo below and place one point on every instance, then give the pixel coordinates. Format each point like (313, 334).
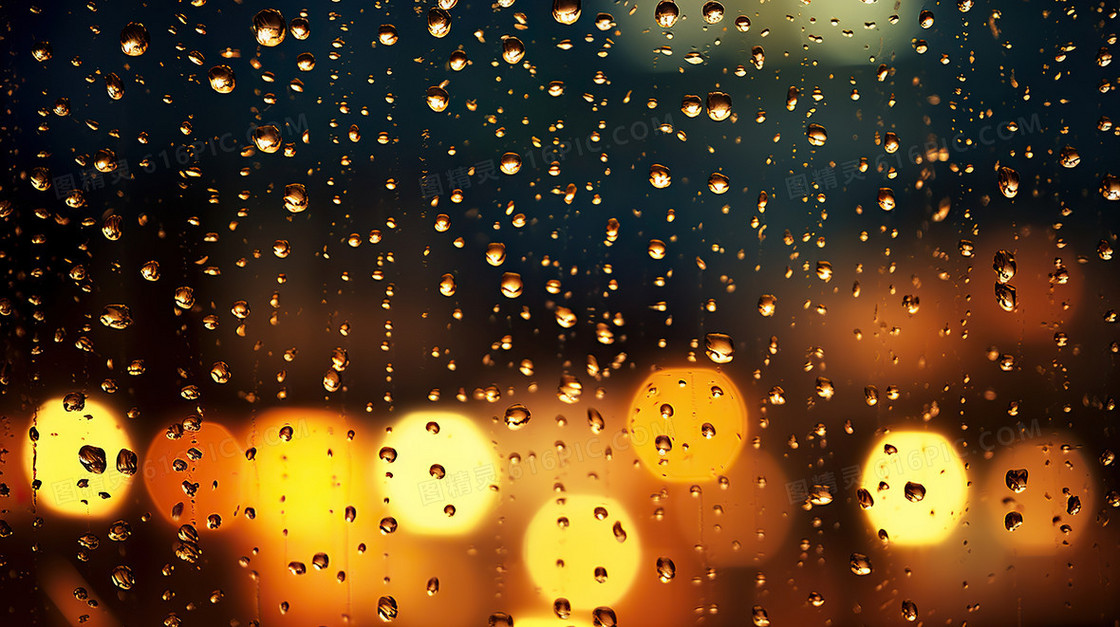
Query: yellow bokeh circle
(66, 485)
(298, 478)
(440, 472)
(582, 548)
(913, 487)
(687, 424)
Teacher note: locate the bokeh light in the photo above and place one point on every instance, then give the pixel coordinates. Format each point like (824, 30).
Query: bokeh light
(745, 517)
(913, 487)
(687, 424)
(583, 548)
(299, 477)
(93, 432)
(439, 472)
(301, 490)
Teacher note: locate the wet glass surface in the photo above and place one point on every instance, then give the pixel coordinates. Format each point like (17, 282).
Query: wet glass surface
(559, 313)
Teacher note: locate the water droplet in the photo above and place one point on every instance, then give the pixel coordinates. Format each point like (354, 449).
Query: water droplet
(300, 28)
(618, 531)
(659, 176)
(511, 285)
(119, 531)
(387, 34)
(816, 134)
(388, 454)
(1008, 181)
(713, 12)
(1004, 264)
(767, 303)
(437, 98)
(562, 608)
(123, 578)
(1005, 296)
(1016, 480)
(604, 617)
(513, 50)
(495, 254)
(666, 569)
(269, 27)
(92, 459)
(500, 619)
(74, 401)
(886, 199)
(221, 79)
(457, 60)
(439, 22)
(600, 574)
(510, 163)
(566, 11)
(719, 347)
(909, 611)
(859, 564)
(865, 499)
(387, 608)
(719, 106)
(126, 462)
(1073, 505)
(134, 39)
(914, 491)
(1110, 187)
(295, 198)
(666, 13)
(42, 51)
(595, 420)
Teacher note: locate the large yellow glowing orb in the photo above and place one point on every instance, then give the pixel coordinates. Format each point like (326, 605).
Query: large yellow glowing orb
(312, 508)
(913, 487)
(299, 478)
(440, 472)
(583, 548)
(687, 424)
(68, 486)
